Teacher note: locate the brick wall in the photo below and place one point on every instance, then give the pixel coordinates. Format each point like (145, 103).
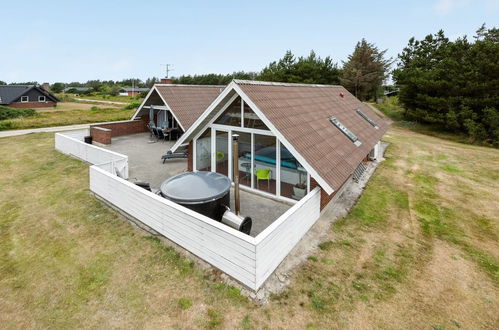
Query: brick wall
(32, 105)
(101, 135)
(325, 198)
(118, 129)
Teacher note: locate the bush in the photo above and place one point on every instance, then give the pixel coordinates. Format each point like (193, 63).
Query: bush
(9, 113)
(133, 105)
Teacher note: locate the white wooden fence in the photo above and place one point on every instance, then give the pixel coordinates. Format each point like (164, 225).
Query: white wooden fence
(250, 260)
(277, 240)
(71, 143)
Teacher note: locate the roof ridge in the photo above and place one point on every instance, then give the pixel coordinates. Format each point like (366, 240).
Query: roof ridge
(188, 85)
(273, 83)
(27, 86)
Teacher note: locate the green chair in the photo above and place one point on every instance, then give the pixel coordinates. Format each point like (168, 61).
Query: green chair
(263, 174)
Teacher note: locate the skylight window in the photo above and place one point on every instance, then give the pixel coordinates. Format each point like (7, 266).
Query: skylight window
(369, 120)
(345, 131)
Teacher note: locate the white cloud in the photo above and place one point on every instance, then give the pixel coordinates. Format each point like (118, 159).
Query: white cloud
(445, 7)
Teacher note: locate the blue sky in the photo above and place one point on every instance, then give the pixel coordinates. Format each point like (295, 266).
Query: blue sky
(81, 40)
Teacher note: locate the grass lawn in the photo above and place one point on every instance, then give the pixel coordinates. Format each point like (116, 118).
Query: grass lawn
(65, 106)
(67, 116)
(419, 250)
(117, 98)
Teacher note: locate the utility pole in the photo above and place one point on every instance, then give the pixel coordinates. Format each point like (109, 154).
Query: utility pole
(167, 68)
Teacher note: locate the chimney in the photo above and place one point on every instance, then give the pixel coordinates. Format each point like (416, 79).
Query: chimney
(46, 86)
(166, 81)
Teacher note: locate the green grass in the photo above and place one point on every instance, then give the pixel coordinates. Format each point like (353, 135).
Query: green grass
(393, 109)
(418, 249)
(10, 113)
(117, 98)
(184, 303)
(68, 117)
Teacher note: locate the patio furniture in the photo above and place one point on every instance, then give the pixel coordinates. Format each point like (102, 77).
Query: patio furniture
(263, 174)
(161, 135)
(149, 127)
(155, 133)
(247, 168)
(176, 155)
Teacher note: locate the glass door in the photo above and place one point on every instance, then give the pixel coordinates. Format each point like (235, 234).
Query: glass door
(244, 158)
(222, 152)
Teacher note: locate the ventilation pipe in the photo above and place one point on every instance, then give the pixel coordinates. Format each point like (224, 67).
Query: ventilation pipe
(235, 166)
(234, 219)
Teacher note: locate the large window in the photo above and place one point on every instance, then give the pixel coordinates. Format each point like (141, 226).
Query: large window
(251, 120)
(203, 151)
(222, 152)
(232, 115)
(264, 163)
(293, 176)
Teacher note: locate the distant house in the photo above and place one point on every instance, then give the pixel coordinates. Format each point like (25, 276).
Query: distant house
(76, 90)
(132, 91)
(26, 96)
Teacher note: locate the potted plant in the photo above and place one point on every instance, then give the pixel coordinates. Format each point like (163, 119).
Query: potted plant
(299, 189)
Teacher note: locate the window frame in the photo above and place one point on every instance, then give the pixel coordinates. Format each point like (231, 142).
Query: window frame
(369, 120)
(40, 98)
(23, 99)
(343, 129)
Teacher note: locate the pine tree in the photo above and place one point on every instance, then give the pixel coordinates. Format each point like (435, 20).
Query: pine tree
(365, 71)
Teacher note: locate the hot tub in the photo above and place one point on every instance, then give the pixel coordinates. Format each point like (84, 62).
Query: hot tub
(207, 193)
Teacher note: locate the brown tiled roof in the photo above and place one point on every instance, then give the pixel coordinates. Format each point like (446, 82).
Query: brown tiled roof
(188, 102)
(301, 114)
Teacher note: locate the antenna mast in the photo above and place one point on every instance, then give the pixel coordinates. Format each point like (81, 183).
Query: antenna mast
(167, 68)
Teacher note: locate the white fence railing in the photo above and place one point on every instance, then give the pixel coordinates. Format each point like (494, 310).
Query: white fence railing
(277, 240)
(71, 143)
(225, 248)
(250, 260)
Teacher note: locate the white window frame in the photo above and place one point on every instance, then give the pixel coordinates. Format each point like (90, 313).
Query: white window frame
(42, 98)
(24, 99)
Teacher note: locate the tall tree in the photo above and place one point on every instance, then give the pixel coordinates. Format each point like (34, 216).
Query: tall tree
(308, 70)
(453, 84)
(365, 71)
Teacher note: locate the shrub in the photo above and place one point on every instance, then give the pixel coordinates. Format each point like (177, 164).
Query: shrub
(133, 105)
(9, 113)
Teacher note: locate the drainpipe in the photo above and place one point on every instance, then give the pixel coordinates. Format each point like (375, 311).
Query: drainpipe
(235, 171)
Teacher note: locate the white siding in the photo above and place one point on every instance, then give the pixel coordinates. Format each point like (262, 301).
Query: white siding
(225, 248)
(277, 240)
(71, 143)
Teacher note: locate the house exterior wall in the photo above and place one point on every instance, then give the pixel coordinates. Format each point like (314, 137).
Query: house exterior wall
(32, 105)
(325, 198)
